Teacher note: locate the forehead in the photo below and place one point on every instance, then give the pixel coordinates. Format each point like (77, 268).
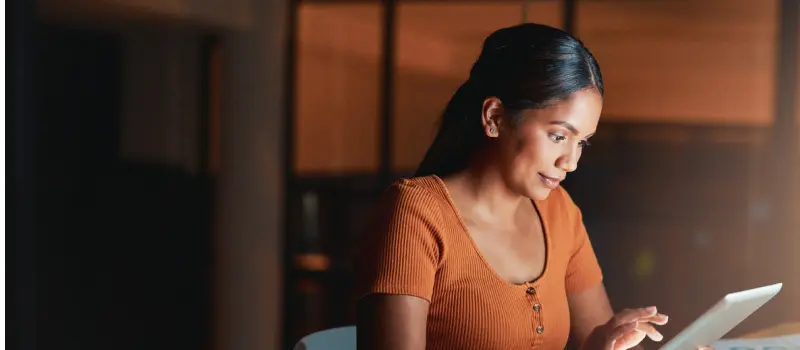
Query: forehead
(581, 110)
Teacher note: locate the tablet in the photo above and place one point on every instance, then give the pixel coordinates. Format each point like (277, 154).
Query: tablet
(721, 318)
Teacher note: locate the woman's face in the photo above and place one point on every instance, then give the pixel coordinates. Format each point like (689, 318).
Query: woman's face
(536, 155)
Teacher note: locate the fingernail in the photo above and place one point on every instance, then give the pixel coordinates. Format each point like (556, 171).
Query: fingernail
(651, 308)
(657, 337)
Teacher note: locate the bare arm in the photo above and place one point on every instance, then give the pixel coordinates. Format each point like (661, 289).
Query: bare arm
(392, 322)
(588, 309)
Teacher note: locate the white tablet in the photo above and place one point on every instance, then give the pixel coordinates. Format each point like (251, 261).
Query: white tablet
(720, 319)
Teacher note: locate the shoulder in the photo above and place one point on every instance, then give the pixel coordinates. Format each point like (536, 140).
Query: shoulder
(426, 193)
(417, 204)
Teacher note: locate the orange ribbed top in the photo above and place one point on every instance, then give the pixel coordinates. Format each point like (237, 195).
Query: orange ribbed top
(420, 247)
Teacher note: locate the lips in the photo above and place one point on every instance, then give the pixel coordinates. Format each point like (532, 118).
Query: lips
(550, 182)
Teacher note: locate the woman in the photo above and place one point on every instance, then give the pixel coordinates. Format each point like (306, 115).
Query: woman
(483, 249)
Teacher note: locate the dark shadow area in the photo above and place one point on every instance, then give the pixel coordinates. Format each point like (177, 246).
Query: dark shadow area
(123, 250)
(20, 238)
(668, 209)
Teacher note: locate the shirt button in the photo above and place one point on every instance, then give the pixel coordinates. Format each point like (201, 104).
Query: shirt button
(537, 307)
(540, 329)
(531, 290)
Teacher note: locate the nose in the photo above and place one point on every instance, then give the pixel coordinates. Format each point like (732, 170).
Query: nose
(568, 161)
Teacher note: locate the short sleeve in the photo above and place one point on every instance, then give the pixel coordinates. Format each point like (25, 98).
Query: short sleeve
(400, 252)
(583, 270)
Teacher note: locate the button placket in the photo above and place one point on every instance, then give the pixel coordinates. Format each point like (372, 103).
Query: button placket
(537, 310)
(537, 325)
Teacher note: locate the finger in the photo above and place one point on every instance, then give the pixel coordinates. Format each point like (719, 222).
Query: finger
(659, 319)
(623, 337)
(631, 315)
(621, 330)
(651, 331)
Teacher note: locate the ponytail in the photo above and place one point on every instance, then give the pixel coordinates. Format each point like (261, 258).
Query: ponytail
(459, 134)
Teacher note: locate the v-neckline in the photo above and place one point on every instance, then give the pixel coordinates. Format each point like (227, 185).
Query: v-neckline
(545, 234)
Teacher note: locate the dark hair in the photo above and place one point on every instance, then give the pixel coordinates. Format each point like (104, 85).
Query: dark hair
(527, 66)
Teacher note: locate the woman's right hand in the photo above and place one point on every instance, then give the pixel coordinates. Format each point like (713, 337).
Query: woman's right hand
(626, 330)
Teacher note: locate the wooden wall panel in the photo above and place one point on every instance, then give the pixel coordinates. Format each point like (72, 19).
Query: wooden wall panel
(337, 118)
(672, 61)
(683, 61)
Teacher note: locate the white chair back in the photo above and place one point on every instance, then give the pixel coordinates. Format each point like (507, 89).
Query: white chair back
(342, 338)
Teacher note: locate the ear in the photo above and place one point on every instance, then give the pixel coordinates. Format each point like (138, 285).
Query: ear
(492, 116)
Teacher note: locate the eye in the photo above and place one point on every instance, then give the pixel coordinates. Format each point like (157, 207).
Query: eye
(584, 143)
(557, 137)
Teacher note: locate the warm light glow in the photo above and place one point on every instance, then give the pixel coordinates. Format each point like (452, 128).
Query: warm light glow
(706, 62)
(338, 88)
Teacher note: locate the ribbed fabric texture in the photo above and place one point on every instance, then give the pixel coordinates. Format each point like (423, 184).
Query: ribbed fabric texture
(419, 246)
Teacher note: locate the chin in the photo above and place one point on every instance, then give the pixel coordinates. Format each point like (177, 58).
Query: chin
(540, 193)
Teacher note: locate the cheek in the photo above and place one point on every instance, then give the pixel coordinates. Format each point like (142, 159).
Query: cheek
(533, 153)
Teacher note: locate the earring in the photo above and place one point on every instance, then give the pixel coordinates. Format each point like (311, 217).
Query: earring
(491, 131)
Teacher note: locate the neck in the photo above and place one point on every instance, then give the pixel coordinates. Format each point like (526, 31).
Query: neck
(485, 189)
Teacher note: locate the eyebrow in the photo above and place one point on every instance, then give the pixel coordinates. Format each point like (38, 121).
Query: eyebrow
(570, 127)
